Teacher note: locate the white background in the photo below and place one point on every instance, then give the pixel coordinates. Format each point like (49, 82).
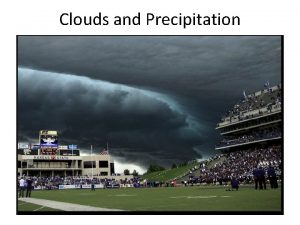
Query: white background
(257, 17)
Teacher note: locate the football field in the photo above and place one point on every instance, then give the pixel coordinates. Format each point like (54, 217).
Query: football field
(201, 199)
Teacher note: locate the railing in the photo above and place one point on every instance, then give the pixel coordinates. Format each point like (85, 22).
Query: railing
(247, 141)
(49, 167)
(249, 115)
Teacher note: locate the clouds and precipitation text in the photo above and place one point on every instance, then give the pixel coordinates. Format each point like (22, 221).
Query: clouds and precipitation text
(149, 19)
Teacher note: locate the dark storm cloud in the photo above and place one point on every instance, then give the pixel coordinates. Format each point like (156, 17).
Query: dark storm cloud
(205, 75)
(189, 67)
(138, 59)
(140, 125)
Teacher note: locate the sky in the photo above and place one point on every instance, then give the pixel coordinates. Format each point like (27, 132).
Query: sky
(153, 99)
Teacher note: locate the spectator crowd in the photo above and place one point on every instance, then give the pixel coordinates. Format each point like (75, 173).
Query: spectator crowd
(244, 166)
(255, 135)
(267, 98)
(240, 165)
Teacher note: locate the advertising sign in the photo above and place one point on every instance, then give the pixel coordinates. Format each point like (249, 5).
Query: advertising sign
(79, 186)
(35, 147)
(22, 146)
(69, 152)
(27, 151)
(72, 147)
(48, 151)
(51, 157)
(61, 187)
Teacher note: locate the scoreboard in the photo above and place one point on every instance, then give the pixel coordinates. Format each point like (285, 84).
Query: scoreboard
(48, 142)
(48, 151)
(48, 138)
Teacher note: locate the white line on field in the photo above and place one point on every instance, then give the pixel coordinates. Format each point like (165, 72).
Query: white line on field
(23, 203)
(201, 196)
(123, 195)
(64, 206)
(39, 208)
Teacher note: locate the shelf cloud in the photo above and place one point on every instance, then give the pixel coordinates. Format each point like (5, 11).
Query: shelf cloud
(155, 99)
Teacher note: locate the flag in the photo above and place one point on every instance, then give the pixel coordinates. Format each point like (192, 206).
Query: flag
(244, 93)
(267, 84)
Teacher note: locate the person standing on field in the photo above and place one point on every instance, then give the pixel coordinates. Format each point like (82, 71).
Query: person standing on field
(255, 177)
(93, 185)
(29, 187)
(22, 187)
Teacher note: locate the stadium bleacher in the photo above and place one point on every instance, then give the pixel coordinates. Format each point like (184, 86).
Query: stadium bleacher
(238, 164)
(251, 137)
(254, 105)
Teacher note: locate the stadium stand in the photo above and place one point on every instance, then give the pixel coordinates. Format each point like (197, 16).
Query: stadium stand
(256, 104)
(251, 138)
(255, 119)
(238, 164)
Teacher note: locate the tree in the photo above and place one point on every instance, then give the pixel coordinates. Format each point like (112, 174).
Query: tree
(135, 173)
(126, 172)
(182, 164)
(154, 168)
(174, 166)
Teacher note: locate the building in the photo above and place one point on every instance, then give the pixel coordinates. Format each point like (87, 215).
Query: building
(255, 121)
(58, 165)
(48, 159)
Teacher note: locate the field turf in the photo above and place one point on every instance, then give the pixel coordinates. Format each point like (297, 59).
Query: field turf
(25, 206)
(169, 199)
(168, 174)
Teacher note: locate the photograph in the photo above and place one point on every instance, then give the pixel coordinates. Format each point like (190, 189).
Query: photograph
(149, 124)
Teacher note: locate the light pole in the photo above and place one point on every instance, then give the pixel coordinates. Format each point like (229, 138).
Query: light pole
(92, 161)
(72, 162)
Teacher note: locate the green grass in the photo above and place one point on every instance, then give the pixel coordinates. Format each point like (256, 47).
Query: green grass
(169, 174)
(171, 199)
(25, 206)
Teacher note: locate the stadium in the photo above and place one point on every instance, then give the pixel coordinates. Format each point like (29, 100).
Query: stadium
(245, 177)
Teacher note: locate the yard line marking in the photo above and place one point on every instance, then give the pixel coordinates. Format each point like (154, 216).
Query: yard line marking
(201, 196)
(39, 208)
(179, 197)
(123, 195)
(22, 203)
